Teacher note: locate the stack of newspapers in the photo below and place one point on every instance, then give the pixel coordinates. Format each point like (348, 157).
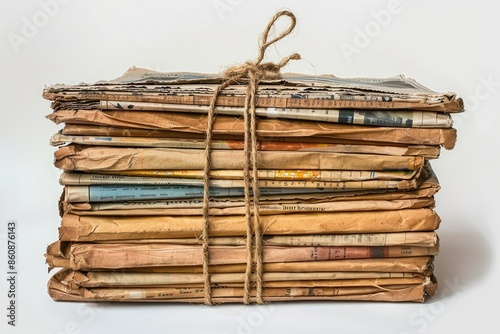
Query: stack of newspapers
(346, 188)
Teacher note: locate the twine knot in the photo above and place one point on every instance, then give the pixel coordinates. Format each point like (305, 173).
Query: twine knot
(258, 71)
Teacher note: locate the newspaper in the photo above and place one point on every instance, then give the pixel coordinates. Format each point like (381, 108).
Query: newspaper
(360, 200)
(59, 139)
(219, 188)
(95, 159)
(88, 256)
(417, 239)
(294, 90)
(193, 177)
(95, 228)
(93, 279)
(422, 265)
(425, 177)
(59, 290)
(225, 207)
(266, 128)
(110, 134)
(111, 193)
(394, 118)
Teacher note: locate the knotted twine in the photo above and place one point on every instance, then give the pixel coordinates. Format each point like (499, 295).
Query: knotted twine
(253, 72)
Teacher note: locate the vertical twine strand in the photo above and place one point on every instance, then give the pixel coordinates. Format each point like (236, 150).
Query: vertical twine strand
(253, 72)
(248, 212)
(206, 195)
(256, 194)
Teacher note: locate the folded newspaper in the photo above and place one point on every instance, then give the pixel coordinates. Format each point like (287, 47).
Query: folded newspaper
(293, 91)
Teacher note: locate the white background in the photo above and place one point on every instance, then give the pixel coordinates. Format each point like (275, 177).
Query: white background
(445, 45)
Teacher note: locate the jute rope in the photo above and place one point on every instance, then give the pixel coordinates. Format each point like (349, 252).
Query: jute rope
(253, 72)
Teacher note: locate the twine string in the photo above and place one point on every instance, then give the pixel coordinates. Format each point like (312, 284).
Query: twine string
(256, 194)
(248, 211)
(253, 72)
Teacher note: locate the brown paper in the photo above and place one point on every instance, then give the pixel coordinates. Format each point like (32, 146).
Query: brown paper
(93, 228)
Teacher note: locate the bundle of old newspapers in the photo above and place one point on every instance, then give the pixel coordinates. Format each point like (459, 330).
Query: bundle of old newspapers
(345, 189)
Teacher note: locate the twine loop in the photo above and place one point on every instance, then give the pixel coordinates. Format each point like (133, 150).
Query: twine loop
(253, 72)
(264, 71)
